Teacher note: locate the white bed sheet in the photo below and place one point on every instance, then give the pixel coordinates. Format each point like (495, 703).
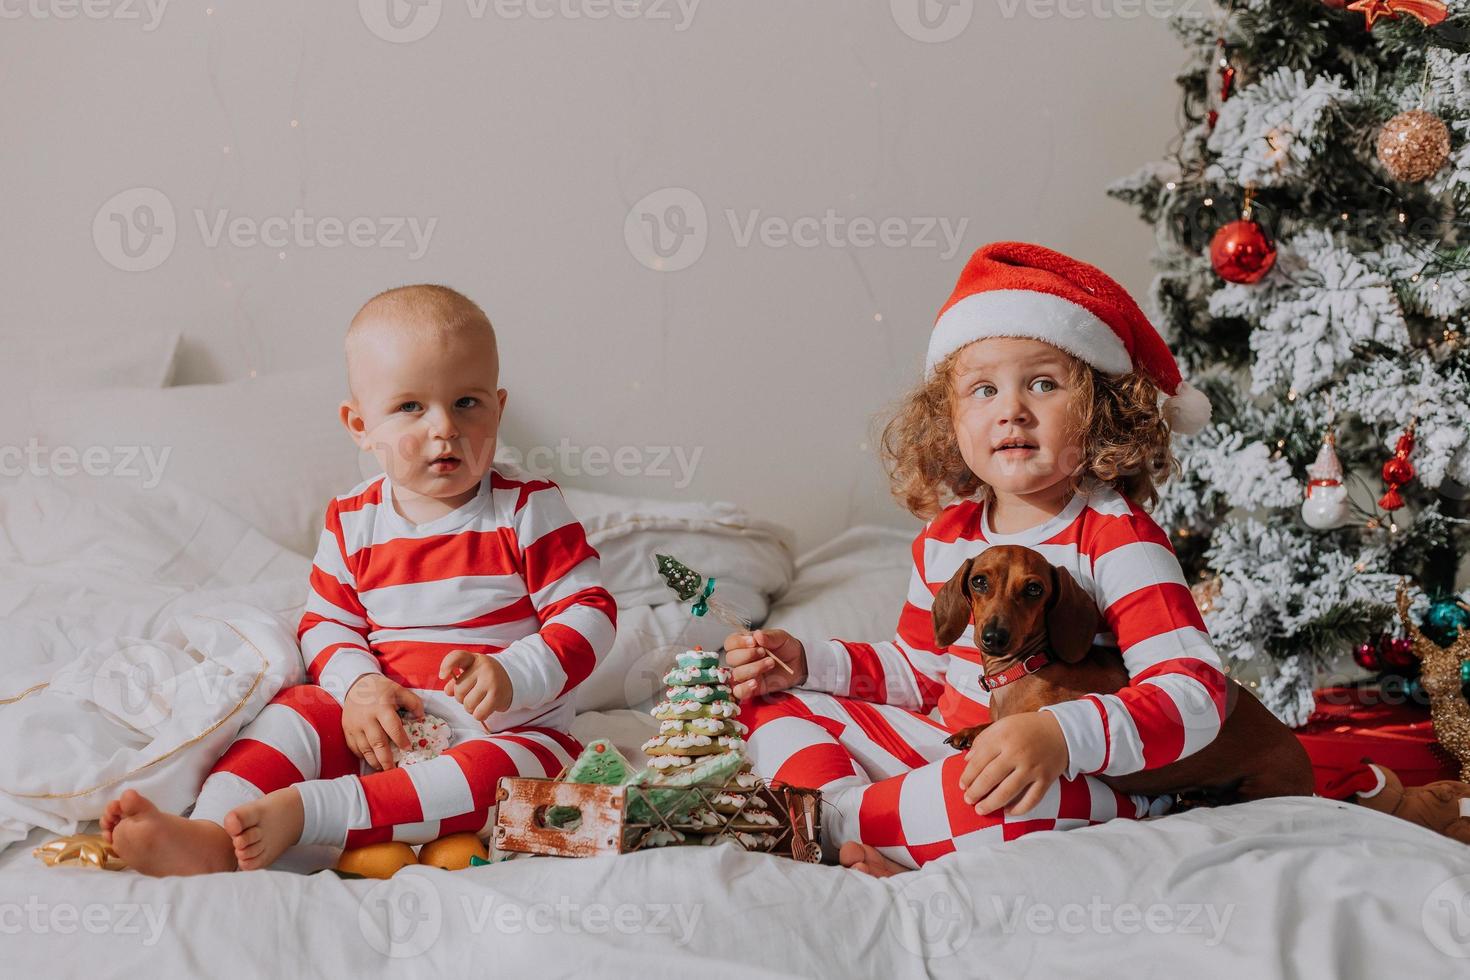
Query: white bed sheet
(1300, 888)
(1283, 888)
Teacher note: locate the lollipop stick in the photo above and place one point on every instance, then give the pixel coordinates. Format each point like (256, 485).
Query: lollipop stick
(726, 616)
(778, 661)
(690, 586)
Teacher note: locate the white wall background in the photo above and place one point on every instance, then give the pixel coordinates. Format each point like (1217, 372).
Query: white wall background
(527, 141)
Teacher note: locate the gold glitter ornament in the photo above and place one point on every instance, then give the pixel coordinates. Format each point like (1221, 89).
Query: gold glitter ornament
(1440, 676)
(1414, 145)
(79, 850)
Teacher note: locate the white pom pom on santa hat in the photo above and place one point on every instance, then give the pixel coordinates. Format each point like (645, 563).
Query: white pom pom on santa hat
(1012, 289)
(1187, 410)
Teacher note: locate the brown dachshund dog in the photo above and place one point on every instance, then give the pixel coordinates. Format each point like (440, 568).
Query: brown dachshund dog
(1028, 612)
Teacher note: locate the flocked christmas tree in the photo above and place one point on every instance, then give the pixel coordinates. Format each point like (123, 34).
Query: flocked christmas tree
(1313, 230)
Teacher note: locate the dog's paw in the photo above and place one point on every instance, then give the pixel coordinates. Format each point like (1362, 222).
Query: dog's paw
(964, 738)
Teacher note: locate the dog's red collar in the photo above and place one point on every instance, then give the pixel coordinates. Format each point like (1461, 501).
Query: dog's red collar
(1015, 672)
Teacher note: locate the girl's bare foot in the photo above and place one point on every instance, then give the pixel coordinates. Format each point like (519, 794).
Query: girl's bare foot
(158, 843)
(860, 857)
(261, 831)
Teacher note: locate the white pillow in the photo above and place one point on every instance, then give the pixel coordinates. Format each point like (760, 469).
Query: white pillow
(270, 449)
(851, 588)
(750, 561)
(36, 362)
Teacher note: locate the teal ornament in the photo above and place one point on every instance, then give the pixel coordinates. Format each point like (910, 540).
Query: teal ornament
(1445, 620)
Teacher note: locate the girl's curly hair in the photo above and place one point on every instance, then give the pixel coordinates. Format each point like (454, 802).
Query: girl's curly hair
(1117, 422)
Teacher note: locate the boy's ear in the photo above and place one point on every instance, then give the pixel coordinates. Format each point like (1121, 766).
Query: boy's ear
(1071, 617)
(355, 425)
(500, 394)
(951, 610)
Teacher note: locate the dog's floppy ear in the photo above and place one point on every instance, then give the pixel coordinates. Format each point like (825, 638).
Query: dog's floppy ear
(1071, 617)
(952, 607)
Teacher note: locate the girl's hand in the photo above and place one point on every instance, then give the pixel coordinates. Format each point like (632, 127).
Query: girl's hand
(751, 670)
(1014, 761)
(370, 718)
(477, 681)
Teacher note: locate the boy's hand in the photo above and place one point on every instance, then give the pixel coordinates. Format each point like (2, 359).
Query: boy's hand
(477, 681)
(751, 669)
(1014, 761)
(370, 718)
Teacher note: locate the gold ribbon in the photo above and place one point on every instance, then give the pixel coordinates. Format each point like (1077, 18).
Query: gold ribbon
(81, 851)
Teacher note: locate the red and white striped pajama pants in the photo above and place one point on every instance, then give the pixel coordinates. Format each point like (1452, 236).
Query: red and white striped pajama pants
(889, 781)
(297, 740)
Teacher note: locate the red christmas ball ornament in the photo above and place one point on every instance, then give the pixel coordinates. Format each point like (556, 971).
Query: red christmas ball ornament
(1398, 471)
(1242, 252)
(1397, 653)
(1365, 655)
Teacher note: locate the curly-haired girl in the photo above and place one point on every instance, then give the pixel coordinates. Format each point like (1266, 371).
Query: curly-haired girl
(1039, 423)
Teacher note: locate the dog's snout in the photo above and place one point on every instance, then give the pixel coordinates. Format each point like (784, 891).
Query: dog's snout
(994, 635)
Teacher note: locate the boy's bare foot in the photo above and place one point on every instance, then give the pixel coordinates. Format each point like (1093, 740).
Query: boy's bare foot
(860, 857)
(261, 831)
(158, 843)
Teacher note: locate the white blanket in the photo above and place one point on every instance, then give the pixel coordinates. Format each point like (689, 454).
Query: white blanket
(1281, 888)
(141, 629)
(1278, 888)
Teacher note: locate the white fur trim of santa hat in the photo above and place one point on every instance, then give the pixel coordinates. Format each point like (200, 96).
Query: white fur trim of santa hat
(1023, 313)
(1015, 289)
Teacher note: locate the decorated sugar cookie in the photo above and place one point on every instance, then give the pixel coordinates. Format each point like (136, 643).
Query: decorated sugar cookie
(684, 710)
(428, 737)
(704, 726)
(697, 659)
(662, 838)
(685, 676)
(703, 693)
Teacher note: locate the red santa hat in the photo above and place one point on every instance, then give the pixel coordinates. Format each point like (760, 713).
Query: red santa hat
(1012, 289)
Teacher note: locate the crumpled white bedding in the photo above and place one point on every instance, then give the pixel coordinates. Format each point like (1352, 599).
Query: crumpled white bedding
(1280, 888)
(140, 629)
(1299, 888)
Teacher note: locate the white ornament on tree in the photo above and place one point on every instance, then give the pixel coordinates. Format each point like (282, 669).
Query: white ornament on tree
(1326, 506)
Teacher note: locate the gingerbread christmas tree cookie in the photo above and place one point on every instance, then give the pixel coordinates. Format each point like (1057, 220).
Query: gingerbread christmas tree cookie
(697, 724)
